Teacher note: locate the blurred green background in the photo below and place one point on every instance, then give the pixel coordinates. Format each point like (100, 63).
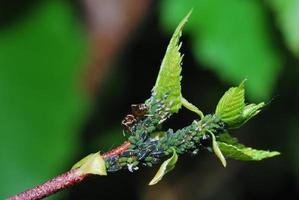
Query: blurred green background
(69, 71)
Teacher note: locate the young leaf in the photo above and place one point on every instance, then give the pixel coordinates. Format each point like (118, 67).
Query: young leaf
(250, 111)
(240, 152)
(166, 167)
(191, 107)
(169, 77)
(217, 151)
(92, 164)
(82, 161)
(231, 105)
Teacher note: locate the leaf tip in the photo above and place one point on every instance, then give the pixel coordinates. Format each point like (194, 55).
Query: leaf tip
(275, 153)
(242, 84)
(217, 150)
(166, 167)
(152, 183)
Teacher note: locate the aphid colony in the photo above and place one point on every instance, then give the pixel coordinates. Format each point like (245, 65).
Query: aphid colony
(143, 120)
(147, 148)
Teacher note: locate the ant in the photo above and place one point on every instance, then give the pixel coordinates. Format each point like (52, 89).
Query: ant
(138, 111)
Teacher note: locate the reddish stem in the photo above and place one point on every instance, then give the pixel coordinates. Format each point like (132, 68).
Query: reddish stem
(52, 186)
(117, 150)
(63, 181)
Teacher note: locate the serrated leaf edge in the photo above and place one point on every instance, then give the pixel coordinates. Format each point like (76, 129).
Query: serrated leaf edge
(250, 157)
(171, 60)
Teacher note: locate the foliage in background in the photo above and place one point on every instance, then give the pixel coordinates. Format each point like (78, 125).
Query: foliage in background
(287, 15)
(40, 59)
(16, 157)
(232, 38)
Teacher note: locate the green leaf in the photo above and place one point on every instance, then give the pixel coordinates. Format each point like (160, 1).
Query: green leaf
(217, 151)
(166, 167)
(169, 77)
(250, 111)
(245, 153)
(92, 164)
(227, 138)
(232, 149)
(287, 14)
(41, 107)
(232, 110)
(82, 161)
(231, 105)
(233, 38)
(192, 107)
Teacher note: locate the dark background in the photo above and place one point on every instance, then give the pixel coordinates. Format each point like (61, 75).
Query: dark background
(69, 71)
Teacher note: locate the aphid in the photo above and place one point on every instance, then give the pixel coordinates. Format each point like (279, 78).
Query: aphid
(195, 152)
(221, 127)
(143, 154)
(114, 168)
(113, 158)
(128, 153)
(152, 146)
(158, 154)
(155, 160)
(161, 121)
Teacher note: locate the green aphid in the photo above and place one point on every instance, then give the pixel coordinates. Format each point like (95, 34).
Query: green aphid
(130, 160)
(135, 163)
(148, 159)
(149, 164)
(132, 140)
(122, 159)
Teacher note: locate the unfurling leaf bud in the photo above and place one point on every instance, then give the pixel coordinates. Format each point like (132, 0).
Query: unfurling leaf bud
(232, 108)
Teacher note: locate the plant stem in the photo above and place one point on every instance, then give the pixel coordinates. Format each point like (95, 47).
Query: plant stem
(62, 181)
(117, 150)
(183, 141)
(52, 186)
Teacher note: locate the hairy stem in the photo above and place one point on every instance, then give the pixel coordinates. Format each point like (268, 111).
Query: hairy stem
(52, 186)
(117, 150)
